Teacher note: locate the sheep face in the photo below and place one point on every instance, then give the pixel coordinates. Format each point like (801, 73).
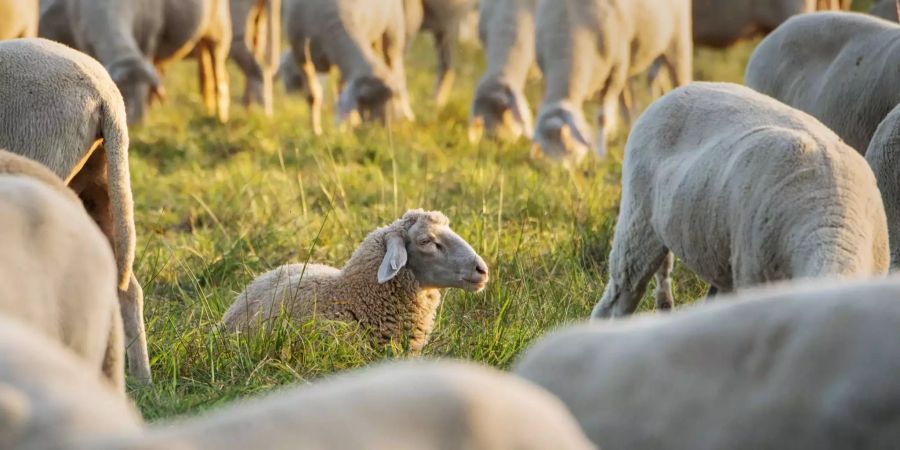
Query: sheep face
(138, 83)
(561, 135)
(366, 99)
(499, 112)
(290, 74)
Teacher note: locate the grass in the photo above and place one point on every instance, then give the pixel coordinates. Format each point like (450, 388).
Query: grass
(217, 205)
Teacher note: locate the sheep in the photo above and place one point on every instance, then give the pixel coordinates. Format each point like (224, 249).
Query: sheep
(506, 30)
(73, 297)
(882, 156)
(61, 109)
(745, 190)
(129, 37)
(721, 24)
(390, 284)
(407, 405)
(591, 48)
(886, 9)
(18, 19)
(256, 38)
(50, 399)
(797, 366)
(836, 67)
(443, 19)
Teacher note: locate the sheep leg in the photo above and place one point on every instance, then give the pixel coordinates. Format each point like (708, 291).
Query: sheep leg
(664, 299)
(393, 46)
(219, 51)
(445, 40)
(253, 75)
(626, 103)
(608, 111)
(314, 94)
(205, 74)
(113, 363)
(680, 59)
(131, 304)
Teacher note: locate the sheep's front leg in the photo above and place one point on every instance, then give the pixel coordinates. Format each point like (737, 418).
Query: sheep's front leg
(219, 52)
(314, 94)
(445, 40)
(205, 73)
(607, 114)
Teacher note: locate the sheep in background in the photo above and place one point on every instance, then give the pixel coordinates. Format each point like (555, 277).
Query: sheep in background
(506, 30)
(883, 156)
(256, 38)
(744, 190)
(838, 67)
(130, 37)
(591, 48)
(342, 32)
(807, 366)
(61, 109)
(886, 9)
(18, 19)
(72, 298)
(721, 24)
(389, 286)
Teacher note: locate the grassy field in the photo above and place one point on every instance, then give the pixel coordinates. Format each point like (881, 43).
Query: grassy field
(217, 205)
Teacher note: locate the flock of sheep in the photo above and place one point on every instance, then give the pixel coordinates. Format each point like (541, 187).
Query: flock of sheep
(794, 176)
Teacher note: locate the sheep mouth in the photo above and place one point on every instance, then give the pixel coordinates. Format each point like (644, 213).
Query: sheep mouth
(477, 284)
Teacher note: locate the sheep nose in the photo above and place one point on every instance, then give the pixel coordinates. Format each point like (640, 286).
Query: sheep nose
(481, 268)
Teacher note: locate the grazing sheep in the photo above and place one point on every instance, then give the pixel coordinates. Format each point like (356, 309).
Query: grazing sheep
(343, 32)
(18, 19)
(408, 405)
(721, 24)
(743, 189)
(51, 400)
(809, 367)
(256, 38)
(61, 108)
(838, 67)
(886, 9)
(129, 37)
(443, 19)
(883, 157)
(506, 29)
(390, 284)
(72, 299)
(591, 48)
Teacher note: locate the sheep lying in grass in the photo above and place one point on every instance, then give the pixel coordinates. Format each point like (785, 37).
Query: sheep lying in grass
(131, 36)
(745, 190)
(506, 29)
(343, 33)
(389, 286)
(789, 367)
(73, 297)
(60, 108)
(410, 405)
(838, 67)
(256, 39)
(18, 19)
(883, 157)
(591, 48)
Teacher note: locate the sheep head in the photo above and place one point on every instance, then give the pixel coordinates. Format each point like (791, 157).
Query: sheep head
(561, 134)
(499, 111)
(434, 253)
(365, 99)
(139, 84)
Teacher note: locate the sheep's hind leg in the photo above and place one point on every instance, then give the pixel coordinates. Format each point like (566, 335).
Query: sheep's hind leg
(664, 299)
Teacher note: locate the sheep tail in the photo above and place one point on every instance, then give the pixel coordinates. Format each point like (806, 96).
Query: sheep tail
(115, 141)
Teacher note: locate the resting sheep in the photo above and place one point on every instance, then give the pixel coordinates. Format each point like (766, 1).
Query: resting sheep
(57, 273)
(389, 286)
(744, 190)
(838, 67)
(506, 30)
(60, 108)
(256, 39)
(130, 37)
(794, 366)
(18, 19)
(591, 48)
(886, 9)
(883, 157)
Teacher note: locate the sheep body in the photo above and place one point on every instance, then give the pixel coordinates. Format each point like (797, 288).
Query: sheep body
(838, 67)
(256, 39)
(18, 19)
(61, 108)
(883, 156)
(886, 9)
(800, 366)
(744, 190)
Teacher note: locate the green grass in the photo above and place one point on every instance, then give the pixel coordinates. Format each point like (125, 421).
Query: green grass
(217, 205)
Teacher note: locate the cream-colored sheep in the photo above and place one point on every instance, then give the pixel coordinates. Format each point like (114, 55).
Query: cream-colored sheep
(135, 39)
(18, 19)
(883, 157)
(838, 67)
(256, 39)
(744, 190)
(794, 366)
(886, 9)
(323, 33)
(58, 276)
(61, 108)
(389, 286)
(506, 30)
(409, 405)
(590, 49)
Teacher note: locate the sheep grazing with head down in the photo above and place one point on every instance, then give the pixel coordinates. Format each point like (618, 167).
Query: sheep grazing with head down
(389, 286)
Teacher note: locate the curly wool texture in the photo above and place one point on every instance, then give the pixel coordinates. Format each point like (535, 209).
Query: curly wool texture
(392, 310)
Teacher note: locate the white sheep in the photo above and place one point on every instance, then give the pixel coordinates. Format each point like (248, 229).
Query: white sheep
(61, 108)
(792, 366)
(389, 286)
(886, 9)
(835, 66)
(18, 19)
(744, 190)
(506, 30)
(883, 156)
(408, 405)
(130, 37)
(72, 297)
(590, 49)
(256, 39)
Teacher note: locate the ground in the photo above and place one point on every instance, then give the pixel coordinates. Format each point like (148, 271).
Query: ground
(217, 205)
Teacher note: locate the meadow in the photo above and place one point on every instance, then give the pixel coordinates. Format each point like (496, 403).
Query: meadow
(217, 205)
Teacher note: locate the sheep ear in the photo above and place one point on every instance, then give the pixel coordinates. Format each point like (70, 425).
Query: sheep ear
(394, 258)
